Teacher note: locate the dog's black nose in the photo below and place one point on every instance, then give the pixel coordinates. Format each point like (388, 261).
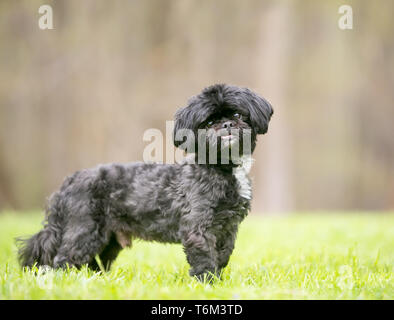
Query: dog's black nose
(227, 125)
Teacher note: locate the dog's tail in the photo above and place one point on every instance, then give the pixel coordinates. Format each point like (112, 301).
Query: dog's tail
(41, 248)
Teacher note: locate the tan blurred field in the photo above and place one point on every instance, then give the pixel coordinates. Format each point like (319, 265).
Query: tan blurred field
(85, 92)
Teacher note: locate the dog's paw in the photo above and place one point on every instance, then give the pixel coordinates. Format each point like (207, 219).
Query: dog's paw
(207, 277)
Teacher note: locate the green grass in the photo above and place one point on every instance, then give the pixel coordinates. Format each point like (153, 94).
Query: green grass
(331, 256)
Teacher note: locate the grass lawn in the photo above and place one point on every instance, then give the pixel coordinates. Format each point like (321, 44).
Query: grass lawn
(330, 256)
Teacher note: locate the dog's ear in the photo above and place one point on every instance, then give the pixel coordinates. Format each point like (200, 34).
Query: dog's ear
(260, 111)
(183, 122)
(189, 118)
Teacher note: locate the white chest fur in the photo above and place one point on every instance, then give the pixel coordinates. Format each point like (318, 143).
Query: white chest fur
(241, 174)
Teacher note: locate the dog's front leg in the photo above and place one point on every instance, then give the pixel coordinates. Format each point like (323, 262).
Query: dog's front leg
(201, 254)
(200, 248)
(225, 245)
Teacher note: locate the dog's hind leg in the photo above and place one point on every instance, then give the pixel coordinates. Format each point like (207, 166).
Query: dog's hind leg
(93, 265)
(117, 241)
(81, 242)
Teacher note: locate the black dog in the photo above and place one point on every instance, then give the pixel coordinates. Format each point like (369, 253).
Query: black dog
(98, 211)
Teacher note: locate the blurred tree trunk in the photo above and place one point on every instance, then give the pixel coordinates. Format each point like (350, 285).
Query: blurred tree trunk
(273, 151)
(7, 199)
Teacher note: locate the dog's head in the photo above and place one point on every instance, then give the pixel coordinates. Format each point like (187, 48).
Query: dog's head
(223, 116)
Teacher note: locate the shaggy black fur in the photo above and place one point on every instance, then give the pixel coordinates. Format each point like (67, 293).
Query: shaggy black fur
(98, 211)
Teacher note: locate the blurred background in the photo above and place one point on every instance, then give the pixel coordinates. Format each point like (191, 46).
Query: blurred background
(85, 92)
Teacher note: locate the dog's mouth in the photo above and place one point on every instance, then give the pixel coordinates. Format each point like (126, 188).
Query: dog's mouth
(227, 137)
(226, 134)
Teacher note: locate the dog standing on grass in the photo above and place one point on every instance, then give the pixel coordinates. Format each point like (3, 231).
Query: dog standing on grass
(198, 203)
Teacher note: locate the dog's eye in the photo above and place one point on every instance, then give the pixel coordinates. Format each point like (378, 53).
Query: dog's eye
(236, 115)
(210, 123)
